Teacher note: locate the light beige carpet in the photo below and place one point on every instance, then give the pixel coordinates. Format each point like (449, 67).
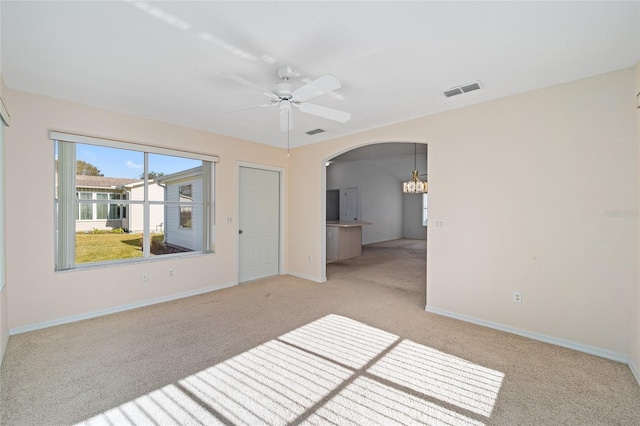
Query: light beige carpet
(359, 349)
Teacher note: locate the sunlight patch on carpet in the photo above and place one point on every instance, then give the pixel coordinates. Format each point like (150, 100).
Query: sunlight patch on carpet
(334, 370)
(441, 376)
(366, 401)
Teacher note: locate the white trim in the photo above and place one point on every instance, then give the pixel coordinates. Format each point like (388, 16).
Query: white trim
(592, 350)
(384, 240)
(323, 222)
(186, 175)
(308, 277)
(3, 347)
(634, 370)
(3, 227)
(282, 230)
(91, 140)
(109, 311)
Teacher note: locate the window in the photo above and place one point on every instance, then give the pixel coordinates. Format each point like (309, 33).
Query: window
(86, 210)
(117, 201)
(185, 217)
(424, 209)
(184, 194)
(98, 212)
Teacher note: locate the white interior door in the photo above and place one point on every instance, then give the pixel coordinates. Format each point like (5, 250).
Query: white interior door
(259, 223)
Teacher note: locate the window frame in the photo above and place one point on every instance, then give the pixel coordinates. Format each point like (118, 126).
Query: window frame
(184, 208)
(65, 198)
(425, 217)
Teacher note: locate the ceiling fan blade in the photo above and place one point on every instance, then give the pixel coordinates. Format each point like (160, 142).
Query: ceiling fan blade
(286, 121)
(250, 84)
(325, 84)
(249, 107)
(325, 112)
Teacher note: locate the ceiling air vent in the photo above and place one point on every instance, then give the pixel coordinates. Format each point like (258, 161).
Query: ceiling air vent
(453, 92)
(314, 132)
(465, 88)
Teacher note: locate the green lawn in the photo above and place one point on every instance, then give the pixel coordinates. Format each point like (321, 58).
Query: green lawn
(101, 247)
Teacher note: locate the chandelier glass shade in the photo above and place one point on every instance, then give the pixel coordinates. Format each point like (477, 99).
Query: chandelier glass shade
(415, 185)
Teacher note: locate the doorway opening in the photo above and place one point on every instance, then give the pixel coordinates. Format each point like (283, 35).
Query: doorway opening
(393, 238)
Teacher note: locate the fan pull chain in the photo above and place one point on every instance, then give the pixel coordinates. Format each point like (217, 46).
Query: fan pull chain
(288, 130)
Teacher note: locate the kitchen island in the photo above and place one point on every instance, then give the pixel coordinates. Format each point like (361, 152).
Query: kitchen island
(344, 239)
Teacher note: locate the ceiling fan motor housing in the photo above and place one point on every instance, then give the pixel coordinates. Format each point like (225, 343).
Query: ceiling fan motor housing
(283, 90)
(285, 97)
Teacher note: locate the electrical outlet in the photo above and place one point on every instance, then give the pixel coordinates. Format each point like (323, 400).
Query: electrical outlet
(517, 297)
(171, 274)
(310, 259)
(145, 277)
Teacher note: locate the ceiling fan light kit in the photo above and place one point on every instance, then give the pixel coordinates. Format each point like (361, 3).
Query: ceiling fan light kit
(285, 98)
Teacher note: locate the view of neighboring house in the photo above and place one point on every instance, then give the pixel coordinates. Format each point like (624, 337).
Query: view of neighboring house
(113, 216)
(183, 213)
(134, 219)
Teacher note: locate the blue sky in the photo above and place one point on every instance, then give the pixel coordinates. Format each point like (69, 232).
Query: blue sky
(130, 164)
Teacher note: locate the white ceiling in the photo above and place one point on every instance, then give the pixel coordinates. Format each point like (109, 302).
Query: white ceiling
(396, 158)
(163, 60)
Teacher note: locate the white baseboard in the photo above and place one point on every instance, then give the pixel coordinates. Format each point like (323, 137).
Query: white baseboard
(384, 240)
(634, 369)
(102, 312)
(307, 277)
(3, 347)
(535, 336)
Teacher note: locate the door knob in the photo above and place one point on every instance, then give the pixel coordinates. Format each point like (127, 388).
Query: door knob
(239, 231)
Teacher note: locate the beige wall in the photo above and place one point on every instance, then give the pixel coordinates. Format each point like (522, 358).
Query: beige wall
(523, 184)
(634, 340)
(38, 294)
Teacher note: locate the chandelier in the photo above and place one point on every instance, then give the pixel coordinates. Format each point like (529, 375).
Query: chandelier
(415, 185)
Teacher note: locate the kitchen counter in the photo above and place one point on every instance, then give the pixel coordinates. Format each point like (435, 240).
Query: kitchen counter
(344, 239)
(347, 223)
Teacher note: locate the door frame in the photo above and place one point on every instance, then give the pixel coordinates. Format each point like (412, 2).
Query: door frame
(323, 199)
(281, 231)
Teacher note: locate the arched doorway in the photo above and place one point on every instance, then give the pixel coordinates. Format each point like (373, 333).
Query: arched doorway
(393, 233)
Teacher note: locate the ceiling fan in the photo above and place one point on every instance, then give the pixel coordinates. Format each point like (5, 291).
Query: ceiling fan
(284, 97)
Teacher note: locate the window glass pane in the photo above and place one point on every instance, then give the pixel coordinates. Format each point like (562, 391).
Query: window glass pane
(111, 173)
(100, 245)
(101, 209)
(179, 239)
(102, 164)
(185, 217)
(181, 182)
(184, 192)
(112, 226)
(86, 210)
(115, 211)
(424, 210)
(166, 165)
